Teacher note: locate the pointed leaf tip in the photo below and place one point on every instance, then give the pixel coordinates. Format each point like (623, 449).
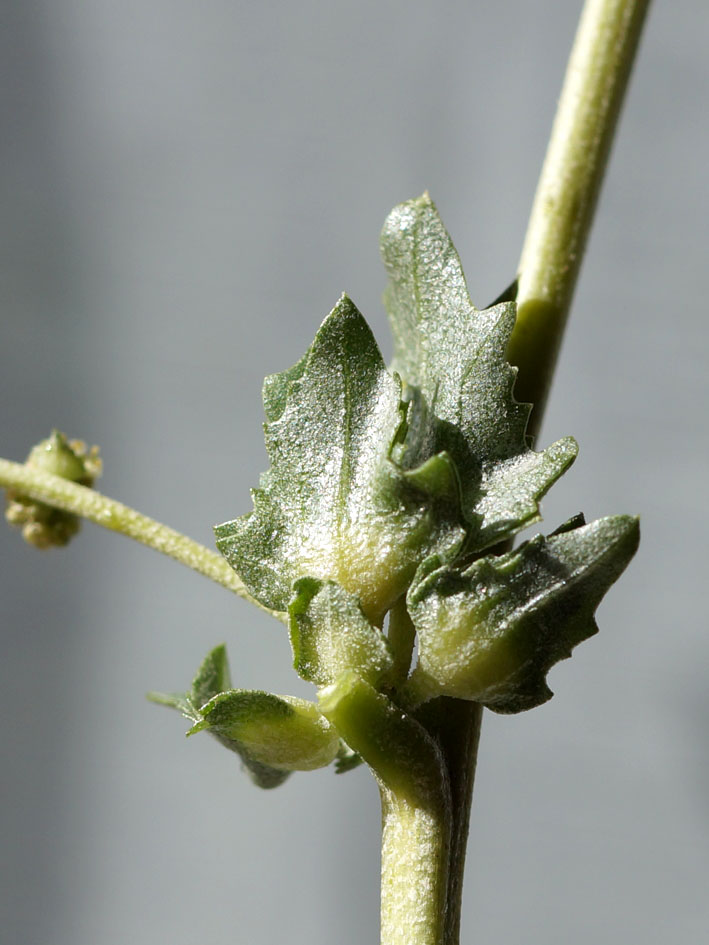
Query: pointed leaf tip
(333, 505)
(212, 676)
(491, 633)
(455, 355)
(273, 735)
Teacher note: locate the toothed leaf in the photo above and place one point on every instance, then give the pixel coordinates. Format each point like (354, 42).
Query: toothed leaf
(491, 633)
(455, 355)
(276, 388)
(334, 505)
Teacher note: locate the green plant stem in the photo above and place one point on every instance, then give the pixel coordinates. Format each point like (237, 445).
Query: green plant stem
(402, 637)
(415, 866)
(594, 87)
(455, 727)
(416, 807)
(88, 503)
(595, 83)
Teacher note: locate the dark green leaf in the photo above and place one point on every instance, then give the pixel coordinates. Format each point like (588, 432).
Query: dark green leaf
(509, 294)
(491, 633)
(347, 760)
(576, 521)
(455, 355)
(212, 676)
(334, 505)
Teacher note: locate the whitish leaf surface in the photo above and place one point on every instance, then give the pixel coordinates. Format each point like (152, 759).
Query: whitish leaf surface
(330, 634)
(492, 632)
(455, 355)
(280, 732)
(333, 505)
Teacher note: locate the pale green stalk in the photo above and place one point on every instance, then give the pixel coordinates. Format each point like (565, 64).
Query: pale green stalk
(415, 864)
(576, 159)
(595, 83)
(416, 807)
(90, 504)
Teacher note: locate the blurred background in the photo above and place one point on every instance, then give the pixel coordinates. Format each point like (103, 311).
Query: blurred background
(186, 189)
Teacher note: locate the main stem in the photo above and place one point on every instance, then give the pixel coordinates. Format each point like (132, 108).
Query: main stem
(593, 91)
(576, 159)
(415, 866)
(416, 807)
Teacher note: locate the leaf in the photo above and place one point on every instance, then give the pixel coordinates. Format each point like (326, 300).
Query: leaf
(277, 386)
(330, 634)
(273, 735)
(280, 732)
(455, 355)
(176, 700)
(347, 759)
(212, 676)
(491, 633)
(334, 505)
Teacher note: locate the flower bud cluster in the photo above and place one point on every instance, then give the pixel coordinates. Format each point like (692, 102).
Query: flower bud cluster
(42, 525)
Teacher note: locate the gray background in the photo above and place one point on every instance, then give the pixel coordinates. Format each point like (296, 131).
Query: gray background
(186, 189)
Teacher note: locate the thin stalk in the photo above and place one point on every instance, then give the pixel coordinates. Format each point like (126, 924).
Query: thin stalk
(594, 87)
(92, 505)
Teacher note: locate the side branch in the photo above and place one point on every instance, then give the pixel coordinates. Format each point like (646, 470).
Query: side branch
(88, 503)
